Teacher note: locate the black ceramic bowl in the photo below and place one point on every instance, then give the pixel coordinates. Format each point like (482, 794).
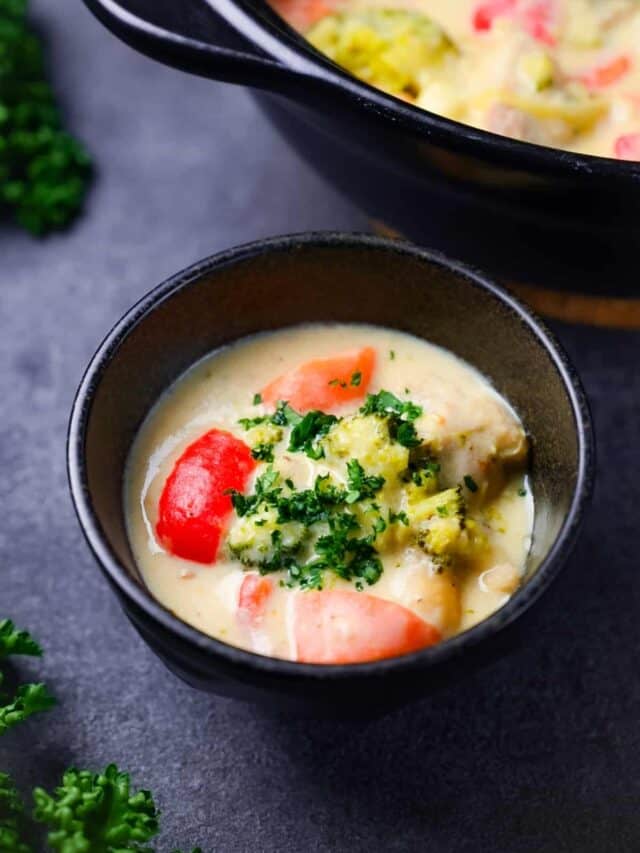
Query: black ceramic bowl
(526, 213)
(327, 277)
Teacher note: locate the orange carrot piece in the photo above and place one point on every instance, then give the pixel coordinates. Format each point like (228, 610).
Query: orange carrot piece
(302, 14)
(607, 74)
(324, 383)
(255, 591)
(339, 626)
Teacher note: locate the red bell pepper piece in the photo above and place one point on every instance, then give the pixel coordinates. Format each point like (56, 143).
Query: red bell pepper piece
(627, 147)
(194, 506)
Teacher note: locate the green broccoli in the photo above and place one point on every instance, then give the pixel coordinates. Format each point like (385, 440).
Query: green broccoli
(44, 172)
(28, 699)
(392, 49)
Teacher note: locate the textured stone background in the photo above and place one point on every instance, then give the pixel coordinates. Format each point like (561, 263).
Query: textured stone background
(539, 754)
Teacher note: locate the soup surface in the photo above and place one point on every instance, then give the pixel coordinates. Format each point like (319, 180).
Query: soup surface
(330, 494)
(561, 73)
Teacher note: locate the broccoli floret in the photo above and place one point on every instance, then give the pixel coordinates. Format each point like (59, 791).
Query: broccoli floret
(258, 540)
(437, 519)
(44, 172)
(367, 439)
(441, 524)
(388, 48)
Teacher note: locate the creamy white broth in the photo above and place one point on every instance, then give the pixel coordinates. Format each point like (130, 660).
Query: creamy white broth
(568, 78)
(461, 413)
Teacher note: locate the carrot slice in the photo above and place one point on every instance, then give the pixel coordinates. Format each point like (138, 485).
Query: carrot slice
(606, 75)
(194, 506)
(627, 147)
(302, 14)
(252, 598)
(324, 383)
(338, 626)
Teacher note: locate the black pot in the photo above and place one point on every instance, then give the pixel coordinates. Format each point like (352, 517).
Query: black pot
(290, 280)
(526, 213)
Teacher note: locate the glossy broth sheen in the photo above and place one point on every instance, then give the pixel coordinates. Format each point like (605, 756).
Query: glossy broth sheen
(476, 434)
(561, 73)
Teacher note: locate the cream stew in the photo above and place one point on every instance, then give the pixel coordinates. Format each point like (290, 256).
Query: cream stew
(330, 494)
(560, 73)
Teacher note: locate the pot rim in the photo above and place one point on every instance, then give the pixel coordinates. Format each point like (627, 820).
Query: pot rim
(288, 47)
(134, 593)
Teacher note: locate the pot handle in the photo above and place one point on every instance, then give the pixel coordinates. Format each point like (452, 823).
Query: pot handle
(206, 59)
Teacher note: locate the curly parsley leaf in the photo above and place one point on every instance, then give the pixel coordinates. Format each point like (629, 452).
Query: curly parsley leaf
(44, 172)
(29, 699)
(16, 642)
(12, 819)
(97, 813)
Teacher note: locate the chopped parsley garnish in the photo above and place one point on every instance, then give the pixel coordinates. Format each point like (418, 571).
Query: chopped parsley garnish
(422, 470)
(361, 486)
(284, 415)
(470, 483)
(392, 354)
(522, 492)
(386, 403)
(404, 433)
(306, 432)
(334, 382)
(250, 423)
(395, 517)
(338, 547)
(356, 378)
(263, 452)
(257, 399)
(400, 415)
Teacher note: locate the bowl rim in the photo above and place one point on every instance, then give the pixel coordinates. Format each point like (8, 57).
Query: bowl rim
(290, 48)
(117, 574)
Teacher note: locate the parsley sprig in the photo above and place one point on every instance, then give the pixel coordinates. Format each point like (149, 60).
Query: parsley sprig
(12, 819)
(27, 699)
